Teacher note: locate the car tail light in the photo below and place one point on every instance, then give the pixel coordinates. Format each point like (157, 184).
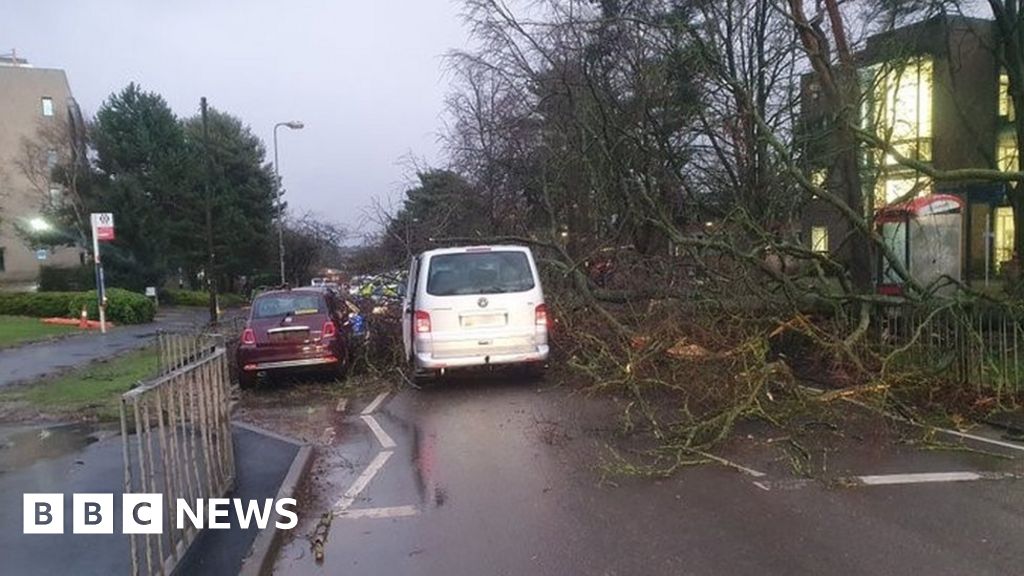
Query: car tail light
(330, 330)
(422, 322)
(541, 316)
(248, 337)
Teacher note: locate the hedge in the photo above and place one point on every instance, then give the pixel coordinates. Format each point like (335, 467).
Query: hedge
(197, 298)
(123, 307)
(36, 304)
(66, 279)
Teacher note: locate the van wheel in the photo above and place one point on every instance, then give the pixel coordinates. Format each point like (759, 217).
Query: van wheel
(414, 377)
(534, 371)
(247, 380)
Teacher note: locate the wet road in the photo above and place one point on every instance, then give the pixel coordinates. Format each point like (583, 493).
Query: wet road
(503, 477)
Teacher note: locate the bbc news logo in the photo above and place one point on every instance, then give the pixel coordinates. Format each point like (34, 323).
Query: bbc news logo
(144, 513)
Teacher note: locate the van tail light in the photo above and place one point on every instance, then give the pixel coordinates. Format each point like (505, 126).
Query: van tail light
(329, 330)
(541, 316)
(248, 337)
(422, 319)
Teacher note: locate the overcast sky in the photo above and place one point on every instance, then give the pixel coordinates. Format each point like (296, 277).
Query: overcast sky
(366, 77)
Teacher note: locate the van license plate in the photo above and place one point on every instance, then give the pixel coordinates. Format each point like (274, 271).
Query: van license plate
(483, 320)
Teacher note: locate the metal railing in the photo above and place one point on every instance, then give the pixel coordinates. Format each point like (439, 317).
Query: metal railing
(979, 346)
(178, 349)
(181, 446)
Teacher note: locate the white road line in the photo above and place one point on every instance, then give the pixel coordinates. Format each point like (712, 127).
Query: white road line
(900, 418)
(982, 439)
(929, 477)
(328, 436)
(731, 464)
(392, 512)
(385, 441)
(375, 404)
(362, 481)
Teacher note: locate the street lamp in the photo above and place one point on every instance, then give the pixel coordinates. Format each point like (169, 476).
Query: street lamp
(294, 125)
(39, 225)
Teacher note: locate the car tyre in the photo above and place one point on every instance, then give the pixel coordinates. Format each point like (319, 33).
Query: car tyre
(247, 380)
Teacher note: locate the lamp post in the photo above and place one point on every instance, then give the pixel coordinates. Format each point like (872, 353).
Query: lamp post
(294, 125)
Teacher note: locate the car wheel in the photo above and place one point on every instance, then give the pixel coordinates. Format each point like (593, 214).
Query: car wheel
(340, 371)
(247, 380)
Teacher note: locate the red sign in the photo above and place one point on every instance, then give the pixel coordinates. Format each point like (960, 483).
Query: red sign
(103, 226)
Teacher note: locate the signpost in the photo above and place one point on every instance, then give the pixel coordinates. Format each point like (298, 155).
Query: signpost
(102, 230)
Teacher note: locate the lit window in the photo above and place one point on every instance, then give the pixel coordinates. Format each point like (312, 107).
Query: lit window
(899, 107)
(1003, 248)
(47, 106)
(1006, 152)
(900, 187)
(819, 176)
(56, 196)
(819, 239)
(1005, 100)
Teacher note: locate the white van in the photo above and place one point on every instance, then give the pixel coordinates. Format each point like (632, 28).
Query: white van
(474, 306)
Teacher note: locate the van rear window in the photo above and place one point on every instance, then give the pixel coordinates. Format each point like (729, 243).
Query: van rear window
(479, 273)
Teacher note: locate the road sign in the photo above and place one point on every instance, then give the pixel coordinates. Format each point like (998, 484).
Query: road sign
(103, 226)
(42, 253)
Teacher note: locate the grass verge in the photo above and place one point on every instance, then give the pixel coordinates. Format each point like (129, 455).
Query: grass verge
(16, 330)
(90, 393)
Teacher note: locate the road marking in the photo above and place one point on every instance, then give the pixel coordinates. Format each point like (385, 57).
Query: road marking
(900, 418)
(342, 404)
(375, 404)
(930, 477)
(327, 438)
(392, 512)
(731, 464)
(982, 439)
(362, 481)
(888, 479)
(385, 441)
(791, 484)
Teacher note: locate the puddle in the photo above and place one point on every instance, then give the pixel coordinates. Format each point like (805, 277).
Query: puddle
(21, 448)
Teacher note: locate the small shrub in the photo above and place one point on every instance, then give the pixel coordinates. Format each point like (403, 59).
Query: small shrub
(123, 307)
(36, 304)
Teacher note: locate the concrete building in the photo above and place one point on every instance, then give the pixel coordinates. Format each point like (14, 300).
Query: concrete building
(40, 125)
(934, 91)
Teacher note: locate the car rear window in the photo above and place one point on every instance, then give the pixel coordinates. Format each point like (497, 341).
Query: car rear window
(479, 273)
(296, 304)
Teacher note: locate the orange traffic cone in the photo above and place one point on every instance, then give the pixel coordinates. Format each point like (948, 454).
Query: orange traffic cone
(83, 318)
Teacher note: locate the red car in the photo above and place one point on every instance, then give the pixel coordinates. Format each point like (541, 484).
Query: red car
(291, 330)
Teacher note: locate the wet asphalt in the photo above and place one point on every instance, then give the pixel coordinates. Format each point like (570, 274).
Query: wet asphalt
(85, 458)
(34, 361)
(507, 477)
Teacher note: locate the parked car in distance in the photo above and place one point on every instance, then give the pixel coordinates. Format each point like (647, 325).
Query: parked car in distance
(291, 330)
(474, 306)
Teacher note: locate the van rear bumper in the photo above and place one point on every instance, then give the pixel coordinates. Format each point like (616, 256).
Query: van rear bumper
(426, 360)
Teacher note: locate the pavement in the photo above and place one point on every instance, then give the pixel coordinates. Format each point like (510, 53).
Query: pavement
(34, 361)
(506, 477)
(82, 458)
